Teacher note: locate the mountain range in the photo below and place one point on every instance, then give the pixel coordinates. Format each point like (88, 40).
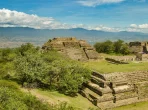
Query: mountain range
(15, 36)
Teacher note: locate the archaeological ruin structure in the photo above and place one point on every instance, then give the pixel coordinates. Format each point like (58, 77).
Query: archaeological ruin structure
(112, 89)
(73, 48)
(140, 49)
(116, 89)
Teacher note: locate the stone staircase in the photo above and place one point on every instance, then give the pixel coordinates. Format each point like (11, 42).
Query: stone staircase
(109, 91)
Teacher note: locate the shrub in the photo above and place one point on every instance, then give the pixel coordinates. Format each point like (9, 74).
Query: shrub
(11, 98)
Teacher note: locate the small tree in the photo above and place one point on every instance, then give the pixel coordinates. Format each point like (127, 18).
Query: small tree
(70, 76)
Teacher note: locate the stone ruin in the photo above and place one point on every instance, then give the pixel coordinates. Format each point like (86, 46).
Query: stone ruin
(140, 49)
(116, 89)
(73, 48)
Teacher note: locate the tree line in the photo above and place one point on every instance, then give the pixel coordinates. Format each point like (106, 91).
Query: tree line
(109, 47)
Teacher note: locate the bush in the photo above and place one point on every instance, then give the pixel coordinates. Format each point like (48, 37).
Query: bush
(11, 98)
(8, 84)
(34, 68)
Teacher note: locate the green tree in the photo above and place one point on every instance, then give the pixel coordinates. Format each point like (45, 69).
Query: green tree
(118, 46)
(30, 68)
(28, 48)
(69, 76)
(125, 49)
(104, 47)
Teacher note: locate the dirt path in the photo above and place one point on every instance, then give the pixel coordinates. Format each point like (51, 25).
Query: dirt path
(41, 97)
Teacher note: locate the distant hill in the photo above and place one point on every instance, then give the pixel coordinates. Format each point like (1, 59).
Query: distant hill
(17, 35)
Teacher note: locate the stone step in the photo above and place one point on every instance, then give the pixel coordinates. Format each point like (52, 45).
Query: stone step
(99, 75)
(124, 88)
(98, 81)
(97, 89)
(86, 95)
(111, 104)
(97, 98)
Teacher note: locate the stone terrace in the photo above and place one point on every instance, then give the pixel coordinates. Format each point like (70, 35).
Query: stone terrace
(116, 89)
(73, 48)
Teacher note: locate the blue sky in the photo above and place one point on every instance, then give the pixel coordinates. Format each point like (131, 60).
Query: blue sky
(109, 15)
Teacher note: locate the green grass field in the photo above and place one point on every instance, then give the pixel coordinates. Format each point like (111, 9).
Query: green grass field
(79, 101)
(137, 106)
(106, 67)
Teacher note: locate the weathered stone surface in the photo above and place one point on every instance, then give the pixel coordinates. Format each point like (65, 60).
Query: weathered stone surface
(138, 47)
(117, 89)
(141, 57)
(123, 58)
(73, 48)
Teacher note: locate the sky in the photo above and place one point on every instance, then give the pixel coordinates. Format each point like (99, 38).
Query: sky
(106, 15)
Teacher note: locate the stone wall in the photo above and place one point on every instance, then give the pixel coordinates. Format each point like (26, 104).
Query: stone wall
(71, 44)
(142, 90)
(124, 59)
(137, 47)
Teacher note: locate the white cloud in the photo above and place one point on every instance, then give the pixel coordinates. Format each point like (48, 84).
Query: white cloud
(141, 26)
(10, 18)
(133, 26)
(104, 28)
(93, 3)
(14, 18)
(138, 28)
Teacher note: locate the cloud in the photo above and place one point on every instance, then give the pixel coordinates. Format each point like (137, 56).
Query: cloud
(138, 28)
(14, 18)
(141, 26)
(104, 28)
(10, 18)
(133, 26)
(93, 3)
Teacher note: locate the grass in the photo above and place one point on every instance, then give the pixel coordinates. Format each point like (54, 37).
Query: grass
(54, 97)
(106, 67)
(79, 101)
(137, 106)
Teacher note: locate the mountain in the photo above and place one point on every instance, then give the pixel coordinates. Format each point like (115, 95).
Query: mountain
(18, 35)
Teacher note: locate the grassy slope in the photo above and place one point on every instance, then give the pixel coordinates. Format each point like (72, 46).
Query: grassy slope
(105, 67)
(55, 98)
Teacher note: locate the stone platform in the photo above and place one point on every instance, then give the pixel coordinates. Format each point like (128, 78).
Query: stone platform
(116, 89)
(73, 48)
